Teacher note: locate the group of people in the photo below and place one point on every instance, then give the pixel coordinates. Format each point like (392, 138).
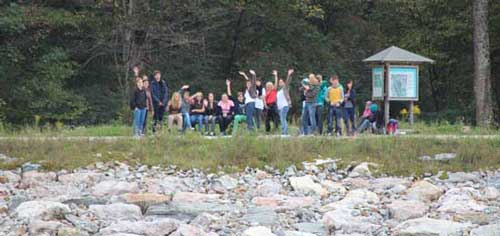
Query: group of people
(271, 100)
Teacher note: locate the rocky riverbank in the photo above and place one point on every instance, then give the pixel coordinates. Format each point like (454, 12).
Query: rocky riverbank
(115, 199)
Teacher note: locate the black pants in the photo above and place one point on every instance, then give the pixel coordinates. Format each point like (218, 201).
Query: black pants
(224, 122)
(158, 117)
(145, 122)
(272, 114)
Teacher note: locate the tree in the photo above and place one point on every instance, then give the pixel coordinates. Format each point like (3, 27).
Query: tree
(482, 67)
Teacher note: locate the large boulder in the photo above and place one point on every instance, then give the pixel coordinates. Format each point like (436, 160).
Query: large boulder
(116, 211)
(431, 227)
(361, 170)
(405, 210)
(111, 188)
(424, 191)
(306, 184)
(350, 221)
(46, 210)
(462, 203)
(166, 185)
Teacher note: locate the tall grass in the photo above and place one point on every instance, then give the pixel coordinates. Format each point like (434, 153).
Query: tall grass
(396, 156)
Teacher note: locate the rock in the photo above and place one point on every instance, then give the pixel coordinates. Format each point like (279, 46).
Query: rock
(227, 182)
(296, 233)
(145, 198)
(354, 183)
(427, 226)
(34, 178)
(262, 175)
(45, 210)
(486, 230)
(361, 170)
(284, 202)
(346, 220)
(87, 179)
(187, 210)
(9, 177)
(314, 228)
(258, 231)
(490, 193)
(147, 228)
(357, 197)
(204, 220)
(82, 224)
(306, 184)
(116, 211)
(110, 188)
(26, 167)
(188, 230)
(405, 210)
(67, 231)
(268, 188)
(166, 185)
(261, 215)
(195, 197)
(38, 227)
(461, 203)
(334, 188)
(444, 156)
(424, 191)
(461, 177)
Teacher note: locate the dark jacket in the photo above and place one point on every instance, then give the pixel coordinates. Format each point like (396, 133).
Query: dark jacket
(159, 92)
(312, 93)
(352, 97)
(239, 108)
(139, 99)
(211, 110)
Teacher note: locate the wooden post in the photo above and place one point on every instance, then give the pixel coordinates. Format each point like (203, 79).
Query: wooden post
(410, 112)
(386, 94)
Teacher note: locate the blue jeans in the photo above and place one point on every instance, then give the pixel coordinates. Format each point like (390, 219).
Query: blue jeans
(250, 110)
(349, 116)
(284, 124)
(210, 123)
(365, 124)
(197, 119)
(319, 118)
(186, 121)
(139, 116)
(334, 111)
(309, 117)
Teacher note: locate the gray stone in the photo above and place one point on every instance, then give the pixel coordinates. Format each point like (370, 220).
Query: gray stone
(268, 188)
(314, 228)
(110, 188)
(486, 230)
(445, 156)
(427, 226)
(404, 210)
(45, 210)
(258, 231)
(147, 228)
(261, 215)
(82, 224)
(424, 191)
(116, 211)
(306, 184)
(461, 177)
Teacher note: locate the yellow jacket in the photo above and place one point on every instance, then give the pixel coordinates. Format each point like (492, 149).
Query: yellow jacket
(335, 95)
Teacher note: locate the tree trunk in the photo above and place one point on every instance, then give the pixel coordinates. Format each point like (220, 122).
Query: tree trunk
(482, 67)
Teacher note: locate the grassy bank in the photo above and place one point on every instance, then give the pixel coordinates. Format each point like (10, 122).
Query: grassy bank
(396, 156)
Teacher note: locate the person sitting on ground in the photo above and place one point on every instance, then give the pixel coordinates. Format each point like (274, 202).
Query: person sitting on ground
(174, 111)
(374, 120)
(271, 108)
(138, 103)
(225, 111)
(186, 102)
(210, 117)
(366, 113)
(284, 102)
(198, 111)
(239, 107)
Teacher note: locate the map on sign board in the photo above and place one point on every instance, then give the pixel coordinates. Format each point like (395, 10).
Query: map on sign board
(403, 83)
(378, 83)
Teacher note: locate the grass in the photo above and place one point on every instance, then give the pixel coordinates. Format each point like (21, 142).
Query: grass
(396, 155)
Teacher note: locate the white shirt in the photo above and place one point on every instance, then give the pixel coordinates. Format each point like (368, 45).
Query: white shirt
(259, 103)
(248, 98)
(281, 99)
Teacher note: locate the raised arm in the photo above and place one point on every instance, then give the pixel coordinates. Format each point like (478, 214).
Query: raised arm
(243, 74)
(254, 77)
(228, 87)
(275, 73)
(289, 77)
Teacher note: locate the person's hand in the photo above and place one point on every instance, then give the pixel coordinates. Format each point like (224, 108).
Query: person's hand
(228, 82)
(242, 73)
(185, 86)
(275, 72)
(252, 72)
(290, 72)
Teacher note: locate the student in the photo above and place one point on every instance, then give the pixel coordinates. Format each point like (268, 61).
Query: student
(210, 116)
(138, 103)
(174, 111)
(374, 120)
(309, 116)
(239, 107)
(186, 102)
(198, 111)
(145, 82)
(323, 88)
(159, 92)
(250, 96)
(284, 102)
(270, 100)
(335, 97)
(225, 110)
(366, 112)
(349, 108)
(259, 102)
